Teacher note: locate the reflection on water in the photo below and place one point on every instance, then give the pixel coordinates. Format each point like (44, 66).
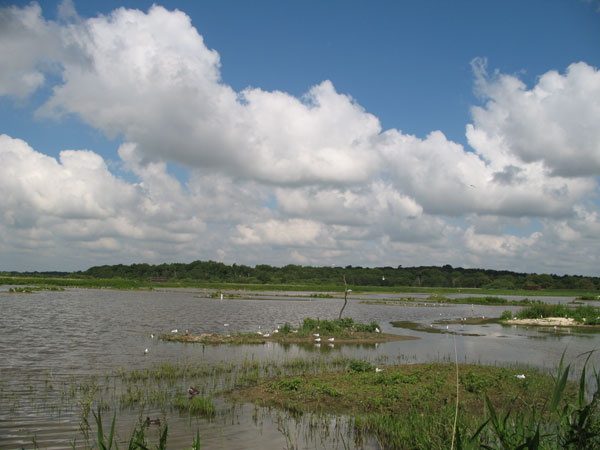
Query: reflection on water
(51, 341)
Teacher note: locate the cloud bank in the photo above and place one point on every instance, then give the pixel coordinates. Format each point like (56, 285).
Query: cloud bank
(278, 179)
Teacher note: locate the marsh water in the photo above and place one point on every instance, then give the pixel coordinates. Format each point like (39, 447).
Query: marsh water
(52, 343)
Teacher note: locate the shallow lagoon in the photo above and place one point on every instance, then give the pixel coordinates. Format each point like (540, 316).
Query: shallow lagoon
(58, 339)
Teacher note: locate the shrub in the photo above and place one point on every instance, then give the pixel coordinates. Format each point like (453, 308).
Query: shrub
(360, 366)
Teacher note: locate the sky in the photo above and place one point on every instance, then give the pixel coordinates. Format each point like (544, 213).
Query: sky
(308, 132)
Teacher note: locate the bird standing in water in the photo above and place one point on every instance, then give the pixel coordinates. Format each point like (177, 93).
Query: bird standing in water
(150, 421)
(193, 391)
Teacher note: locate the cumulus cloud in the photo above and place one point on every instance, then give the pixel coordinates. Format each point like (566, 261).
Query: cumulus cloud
(312, 179)
(28, 45)
(555, 122)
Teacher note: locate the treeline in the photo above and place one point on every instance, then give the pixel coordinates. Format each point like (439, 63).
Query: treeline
(423, 276)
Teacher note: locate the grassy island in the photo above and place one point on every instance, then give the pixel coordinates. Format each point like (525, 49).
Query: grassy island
(339, 331)
(554, 315)
(414, 406)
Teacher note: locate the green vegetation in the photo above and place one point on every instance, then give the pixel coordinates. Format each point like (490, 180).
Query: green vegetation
(588, 315)
(216, 274)
(337, 327)
(414, 406)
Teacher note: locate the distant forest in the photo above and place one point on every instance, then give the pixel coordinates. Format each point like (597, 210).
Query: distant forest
(423, 276)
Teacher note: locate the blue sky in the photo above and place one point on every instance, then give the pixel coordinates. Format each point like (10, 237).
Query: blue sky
(339, 133)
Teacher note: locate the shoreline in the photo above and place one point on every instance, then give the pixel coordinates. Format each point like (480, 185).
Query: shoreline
(549, 322)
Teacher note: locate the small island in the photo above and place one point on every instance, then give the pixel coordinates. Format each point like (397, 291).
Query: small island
(312, 331)
(545, 315)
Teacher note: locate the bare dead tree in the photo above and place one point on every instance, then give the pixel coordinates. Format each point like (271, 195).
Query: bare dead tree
(346, 290)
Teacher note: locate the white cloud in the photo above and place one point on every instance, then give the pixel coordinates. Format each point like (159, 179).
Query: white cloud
(555, 122)
(275, 178)
(289, 233)
(28, 45)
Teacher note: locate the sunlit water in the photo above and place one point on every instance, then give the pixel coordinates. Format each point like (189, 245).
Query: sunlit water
(55, 338)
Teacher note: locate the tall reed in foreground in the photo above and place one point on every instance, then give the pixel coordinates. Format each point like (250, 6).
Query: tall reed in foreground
(560, 424)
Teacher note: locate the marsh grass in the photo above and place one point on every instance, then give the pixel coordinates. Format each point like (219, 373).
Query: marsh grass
(403, 406)
(415, 406)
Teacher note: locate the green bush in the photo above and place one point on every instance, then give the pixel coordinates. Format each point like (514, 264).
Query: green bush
(356, 366)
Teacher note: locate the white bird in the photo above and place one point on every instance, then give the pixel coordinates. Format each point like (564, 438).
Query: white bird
(521, 377)
(377, 330)
(174, 330)
(377, 370)
(318, 340)
(317, 345)
(316, 334)
(266, 335)
(331, 339)
(151, 336)
(145, 351)
(225, 324)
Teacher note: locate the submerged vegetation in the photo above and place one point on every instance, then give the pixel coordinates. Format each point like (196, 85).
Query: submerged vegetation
(441, 299)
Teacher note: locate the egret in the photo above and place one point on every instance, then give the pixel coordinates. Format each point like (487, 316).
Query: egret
(377, 330)
(331, 339)
(151, 336)
(521, 377)
(174, 330)
(318, 339)
(266, 335)
(145, 351)
(316, 334)
(377, 370)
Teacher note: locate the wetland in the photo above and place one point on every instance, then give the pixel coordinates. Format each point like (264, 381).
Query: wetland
(68, 354)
